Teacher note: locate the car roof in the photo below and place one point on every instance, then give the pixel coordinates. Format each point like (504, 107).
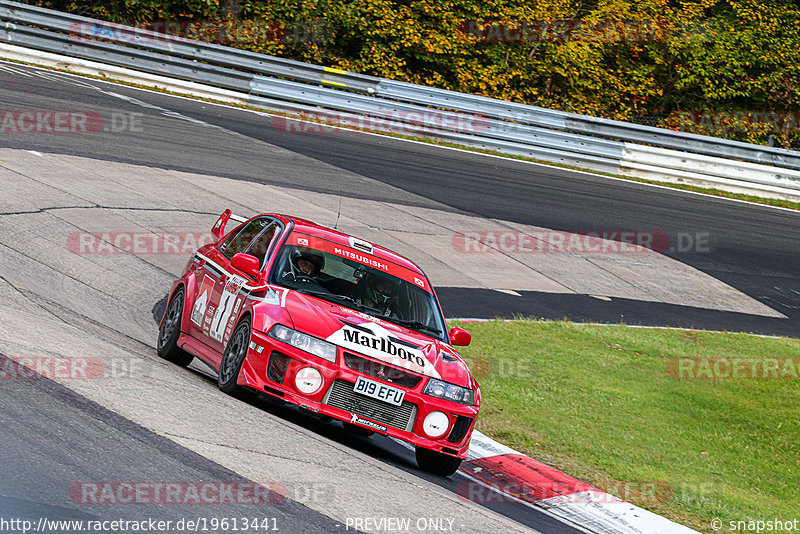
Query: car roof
(317, 230)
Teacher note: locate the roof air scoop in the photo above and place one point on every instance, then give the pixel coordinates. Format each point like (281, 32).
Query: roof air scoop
(361, 245)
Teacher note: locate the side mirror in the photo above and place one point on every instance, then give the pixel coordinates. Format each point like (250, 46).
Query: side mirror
(246, 263)
(459, 336)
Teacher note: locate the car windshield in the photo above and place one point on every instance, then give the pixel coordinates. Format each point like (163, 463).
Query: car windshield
(334, 273)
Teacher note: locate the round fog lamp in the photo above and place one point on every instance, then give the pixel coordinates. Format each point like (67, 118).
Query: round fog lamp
(436, 424)
(308, 380)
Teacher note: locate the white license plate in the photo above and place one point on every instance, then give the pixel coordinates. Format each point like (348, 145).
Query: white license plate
(379, 391)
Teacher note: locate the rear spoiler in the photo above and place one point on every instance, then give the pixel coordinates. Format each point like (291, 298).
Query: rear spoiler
(218, 230)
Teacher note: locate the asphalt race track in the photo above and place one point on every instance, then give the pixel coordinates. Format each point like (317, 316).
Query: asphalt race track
(139, 419)
(751, 248)
(164, 164)
(50, 435)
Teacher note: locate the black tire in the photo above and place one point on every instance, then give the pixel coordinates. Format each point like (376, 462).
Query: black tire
(232, 360)
(170, 330)
(357, 430)
(437, 463)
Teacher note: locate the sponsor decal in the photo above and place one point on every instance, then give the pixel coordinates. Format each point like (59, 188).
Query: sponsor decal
(209, 317)
(232, 319)
(256, 347)
(365, 258)
(360, 258)
(366, 422)
(302, 241)
(225, 311)
(419, 281)
(371, 318)
(373, 340)
(199, 309)
(271, 295)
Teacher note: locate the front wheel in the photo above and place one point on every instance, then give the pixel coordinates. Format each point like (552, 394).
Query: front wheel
(170, 330)
(232, 360)
(437, 463)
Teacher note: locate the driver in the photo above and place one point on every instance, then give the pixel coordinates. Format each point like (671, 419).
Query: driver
(379, 292)
(305, 263)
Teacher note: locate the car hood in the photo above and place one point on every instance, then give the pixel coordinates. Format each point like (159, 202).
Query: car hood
(360, 333)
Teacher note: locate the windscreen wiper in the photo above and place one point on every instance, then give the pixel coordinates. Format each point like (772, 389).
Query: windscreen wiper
(325, 296)
(416, 325)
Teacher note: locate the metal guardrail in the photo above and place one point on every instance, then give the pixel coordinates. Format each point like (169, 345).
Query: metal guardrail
(591, 126)
(78, 27)
(567, 138)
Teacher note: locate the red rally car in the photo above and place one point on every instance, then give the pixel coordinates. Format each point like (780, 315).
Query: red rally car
(330, 323)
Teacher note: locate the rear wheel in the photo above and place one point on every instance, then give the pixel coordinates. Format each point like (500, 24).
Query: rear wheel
(436, 462)
(170, 330)
(232, 360)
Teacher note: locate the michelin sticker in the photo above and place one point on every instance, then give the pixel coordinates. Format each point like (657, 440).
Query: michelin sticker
(225, 309)
(374, 340)
(366, 422)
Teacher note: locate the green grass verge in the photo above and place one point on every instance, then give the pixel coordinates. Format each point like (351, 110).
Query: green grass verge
(598, 403)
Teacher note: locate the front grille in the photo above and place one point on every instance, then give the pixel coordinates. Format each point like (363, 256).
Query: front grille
(460, 429)
(342, 396)
(384, 372)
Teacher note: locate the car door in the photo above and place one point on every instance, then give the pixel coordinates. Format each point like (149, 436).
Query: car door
(220, 289)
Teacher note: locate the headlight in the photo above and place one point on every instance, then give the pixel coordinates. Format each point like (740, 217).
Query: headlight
(310, 344)
(446, 390)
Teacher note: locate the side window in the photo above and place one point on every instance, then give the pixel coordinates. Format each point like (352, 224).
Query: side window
(239, 241)
(260, 245)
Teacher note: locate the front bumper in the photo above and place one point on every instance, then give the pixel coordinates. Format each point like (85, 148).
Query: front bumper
(336, 399)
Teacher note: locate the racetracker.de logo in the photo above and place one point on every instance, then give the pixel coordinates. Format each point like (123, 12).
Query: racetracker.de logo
(562, 493)
(228, 32)
(399, 122)
(182, 243)
(553, 242)
(572, 30)
(40, 121)
(51, 367)
(720, 367)
(177, 493)
(50, 121)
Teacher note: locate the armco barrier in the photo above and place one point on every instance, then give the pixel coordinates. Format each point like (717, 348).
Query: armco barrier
(511, 128)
